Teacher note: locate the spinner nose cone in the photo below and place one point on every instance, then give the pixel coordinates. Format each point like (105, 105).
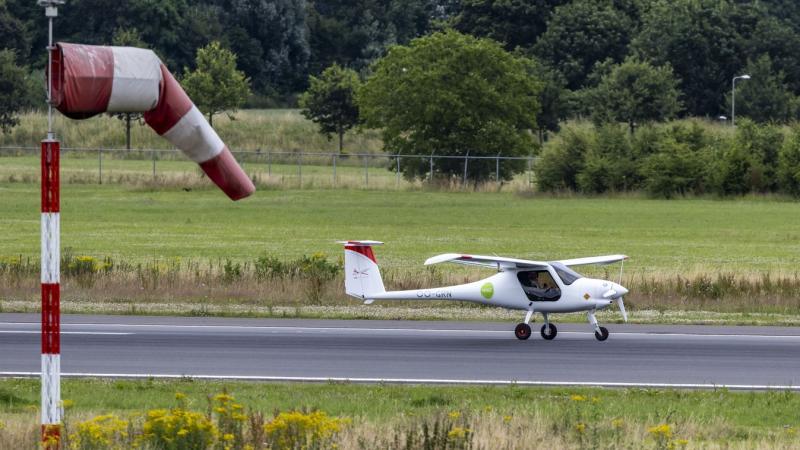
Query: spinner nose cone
(621, 290)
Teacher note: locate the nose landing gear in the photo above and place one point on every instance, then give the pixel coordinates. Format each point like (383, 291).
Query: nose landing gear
(600, 333)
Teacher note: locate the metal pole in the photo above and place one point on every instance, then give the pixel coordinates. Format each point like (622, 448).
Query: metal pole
(466, 162)
(430, 173)
(334, 169)
(366, 170)
(154, 165)
(497, 169)
(733, 102)
(398, 172)
(100, 166)
(269, 164)
(300, 168)
(51, 408)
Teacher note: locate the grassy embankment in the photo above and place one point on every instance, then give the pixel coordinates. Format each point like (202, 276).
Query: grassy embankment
(274, 129)
(168, 251)
(381, 416)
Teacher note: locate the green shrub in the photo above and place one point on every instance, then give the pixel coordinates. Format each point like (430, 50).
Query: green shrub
(789, 164)
(560, 163)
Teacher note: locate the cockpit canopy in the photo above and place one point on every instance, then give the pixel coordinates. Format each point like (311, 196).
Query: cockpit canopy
(567, 275)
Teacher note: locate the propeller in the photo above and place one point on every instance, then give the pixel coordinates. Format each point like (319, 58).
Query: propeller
(614, 295)
(621, 305)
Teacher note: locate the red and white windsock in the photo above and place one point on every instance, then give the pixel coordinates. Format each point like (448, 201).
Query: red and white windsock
(88, 80)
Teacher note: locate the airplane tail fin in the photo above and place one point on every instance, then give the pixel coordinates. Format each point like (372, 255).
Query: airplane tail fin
(362, 275)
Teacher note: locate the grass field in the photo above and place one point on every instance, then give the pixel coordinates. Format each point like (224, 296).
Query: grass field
(195, 252)
(497, 417)
(675, 237)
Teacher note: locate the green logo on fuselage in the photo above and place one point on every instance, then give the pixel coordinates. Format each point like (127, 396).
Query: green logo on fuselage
(487, 291)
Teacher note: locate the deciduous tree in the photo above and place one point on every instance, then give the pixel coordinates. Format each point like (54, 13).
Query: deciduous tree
(635, 92)
(456, 95)
(216, 85)
(330, 101)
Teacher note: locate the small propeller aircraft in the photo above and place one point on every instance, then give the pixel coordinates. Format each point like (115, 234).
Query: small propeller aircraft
(531, 286)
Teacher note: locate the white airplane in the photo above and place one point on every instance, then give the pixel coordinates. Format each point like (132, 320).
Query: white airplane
(532, 286)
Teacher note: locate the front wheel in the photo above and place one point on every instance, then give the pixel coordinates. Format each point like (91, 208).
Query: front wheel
(522, 331)
(549, 332)
(601, 335)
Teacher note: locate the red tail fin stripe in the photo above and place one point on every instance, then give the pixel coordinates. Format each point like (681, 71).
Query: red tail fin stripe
(365, 250)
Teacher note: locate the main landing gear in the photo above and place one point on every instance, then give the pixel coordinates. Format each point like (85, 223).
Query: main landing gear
(600, 333)
(523, 330)
(549, 331)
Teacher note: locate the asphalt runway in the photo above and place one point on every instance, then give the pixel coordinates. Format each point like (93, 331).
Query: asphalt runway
(408, 352)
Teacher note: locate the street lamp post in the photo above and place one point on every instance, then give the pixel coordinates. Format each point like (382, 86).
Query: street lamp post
(733, 97)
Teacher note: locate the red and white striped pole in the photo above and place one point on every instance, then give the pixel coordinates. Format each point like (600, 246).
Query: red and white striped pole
(51, 294)
(50, 261)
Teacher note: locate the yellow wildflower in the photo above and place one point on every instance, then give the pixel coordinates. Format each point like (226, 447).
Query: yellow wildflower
(577, 398)
(458, 433)
(454, 415)
(180, 396)
(507, 419)
(580, 428)
(67, 404)
(617, 423)
(661, 431)
(227, 437)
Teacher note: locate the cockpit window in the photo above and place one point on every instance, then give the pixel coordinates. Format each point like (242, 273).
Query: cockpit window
(567, 275)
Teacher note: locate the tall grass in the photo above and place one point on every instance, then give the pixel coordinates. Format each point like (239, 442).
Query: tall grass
(270, 286)
(290, 416)
(285, 130)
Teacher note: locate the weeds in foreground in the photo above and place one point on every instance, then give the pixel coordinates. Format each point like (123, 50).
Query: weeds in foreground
(578, 422)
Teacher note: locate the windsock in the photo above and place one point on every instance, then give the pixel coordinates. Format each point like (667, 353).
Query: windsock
(88, 80)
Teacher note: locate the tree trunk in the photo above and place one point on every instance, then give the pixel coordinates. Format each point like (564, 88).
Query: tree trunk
(210, 116)
(341, 140)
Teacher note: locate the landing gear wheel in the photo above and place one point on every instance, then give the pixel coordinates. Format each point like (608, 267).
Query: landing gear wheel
(549, 332)
(602, 335)
(523, 331)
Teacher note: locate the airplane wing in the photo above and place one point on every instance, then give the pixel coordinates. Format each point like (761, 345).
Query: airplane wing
(600, 260)
(492, 262)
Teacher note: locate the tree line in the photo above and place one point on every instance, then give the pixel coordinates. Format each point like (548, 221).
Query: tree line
(481, 78)
(279, 43)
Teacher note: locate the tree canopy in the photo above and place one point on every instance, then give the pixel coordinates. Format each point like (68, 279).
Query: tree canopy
(330, 101)
(452, 94)
(635, 92)
(13, 95)
(216, 85)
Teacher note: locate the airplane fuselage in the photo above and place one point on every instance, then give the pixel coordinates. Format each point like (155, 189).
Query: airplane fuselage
(504, 290)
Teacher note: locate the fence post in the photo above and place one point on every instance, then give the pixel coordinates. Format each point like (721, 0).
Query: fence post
(335, 156)
(100, 166)
(497, 169)
(398, 172)
(366, 170)
(300, 168)
(154, 165)
(430, 173)
(530, 172)
(269, 164)
(466, 162)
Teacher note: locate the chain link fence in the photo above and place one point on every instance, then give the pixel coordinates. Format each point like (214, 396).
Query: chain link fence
(280, 168)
